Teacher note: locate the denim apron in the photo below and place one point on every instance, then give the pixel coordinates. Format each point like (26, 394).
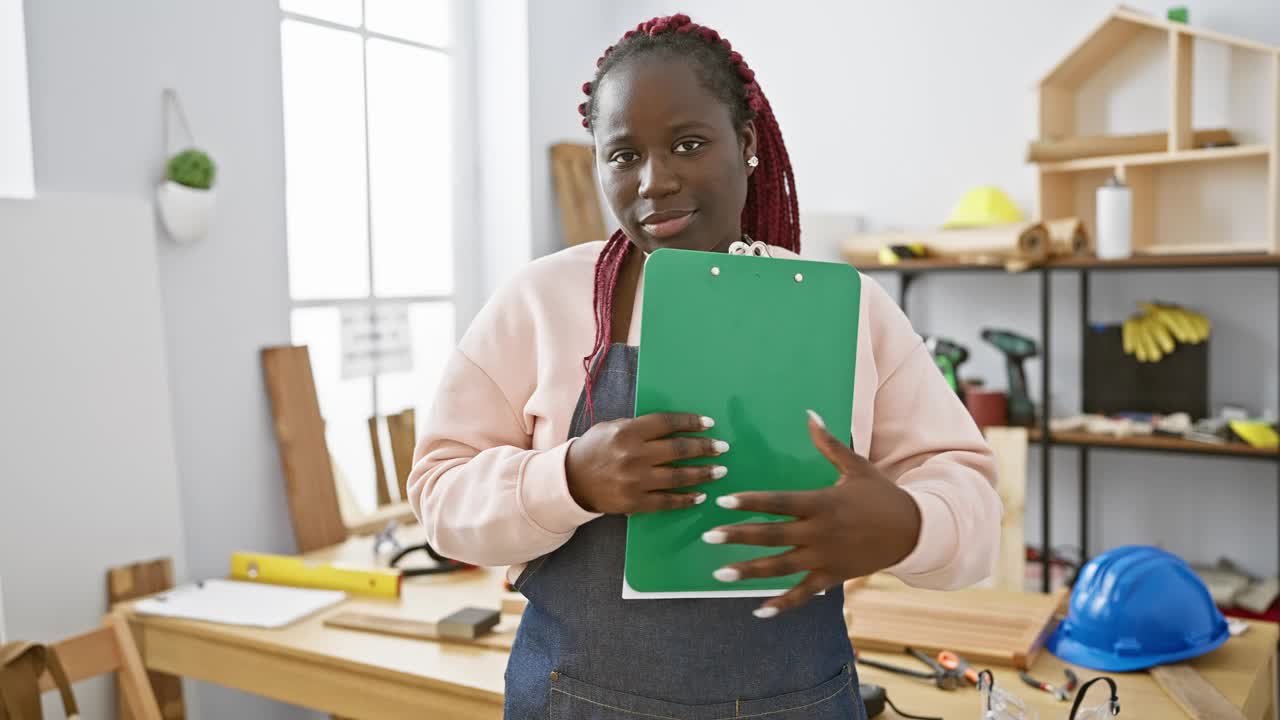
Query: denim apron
(583, 652)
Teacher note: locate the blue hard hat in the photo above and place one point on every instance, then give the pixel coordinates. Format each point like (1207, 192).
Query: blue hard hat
(1134, 607)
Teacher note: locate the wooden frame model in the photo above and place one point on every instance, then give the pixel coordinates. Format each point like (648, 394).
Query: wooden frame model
(1070, 168)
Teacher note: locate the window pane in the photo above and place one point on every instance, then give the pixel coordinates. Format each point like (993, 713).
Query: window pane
(424, 21)
(324, 162)
(346, 12)
(431, 325)
(410, 170)
(345, 404)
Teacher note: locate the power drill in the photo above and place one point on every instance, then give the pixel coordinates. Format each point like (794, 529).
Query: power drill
(948, 355)
(1016, 348)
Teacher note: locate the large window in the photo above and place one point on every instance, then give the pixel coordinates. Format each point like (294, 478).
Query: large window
(368, 171)
(16, 175)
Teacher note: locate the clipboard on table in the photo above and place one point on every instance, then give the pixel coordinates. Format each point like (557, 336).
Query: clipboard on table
(752, 342)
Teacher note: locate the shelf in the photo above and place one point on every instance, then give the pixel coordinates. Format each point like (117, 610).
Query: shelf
(1157, 442)
(1138, 262)
(1158, 158)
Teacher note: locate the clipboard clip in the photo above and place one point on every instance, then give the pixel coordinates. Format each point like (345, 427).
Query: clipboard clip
(747, 246)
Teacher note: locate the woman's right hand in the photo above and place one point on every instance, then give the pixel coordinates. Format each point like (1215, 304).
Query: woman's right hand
(621, 466)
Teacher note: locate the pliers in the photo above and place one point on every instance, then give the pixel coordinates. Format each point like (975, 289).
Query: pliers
(941, 676)
(1062, 692)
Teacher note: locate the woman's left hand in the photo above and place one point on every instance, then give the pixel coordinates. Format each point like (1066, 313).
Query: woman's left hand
(862, 524)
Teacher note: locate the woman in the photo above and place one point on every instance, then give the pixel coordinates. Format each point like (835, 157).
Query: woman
(529, 461)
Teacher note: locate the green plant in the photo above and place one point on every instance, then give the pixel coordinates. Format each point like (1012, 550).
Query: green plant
(193, 168)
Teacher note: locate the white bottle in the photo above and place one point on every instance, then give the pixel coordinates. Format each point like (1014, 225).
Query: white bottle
(1114, 220)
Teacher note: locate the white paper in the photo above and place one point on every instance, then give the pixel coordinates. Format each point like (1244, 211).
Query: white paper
(233, 602)
(375, 339)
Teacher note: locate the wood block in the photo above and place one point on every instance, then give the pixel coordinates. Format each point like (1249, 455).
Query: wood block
(304, 454)
(416, 629)
(468, 623)
(129, 583)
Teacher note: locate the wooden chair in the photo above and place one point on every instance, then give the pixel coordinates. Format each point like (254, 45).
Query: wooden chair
(130, 582)
(108, 649)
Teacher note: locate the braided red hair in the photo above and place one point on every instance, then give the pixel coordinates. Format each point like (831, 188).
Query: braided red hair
(770, 213)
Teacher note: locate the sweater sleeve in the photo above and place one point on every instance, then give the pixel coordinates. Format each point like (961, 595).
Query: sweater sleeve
(924, 439)
(483, 495)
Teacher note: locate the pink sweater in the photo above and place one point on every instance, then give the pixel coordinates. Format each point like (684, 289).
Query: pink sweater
(488, 480)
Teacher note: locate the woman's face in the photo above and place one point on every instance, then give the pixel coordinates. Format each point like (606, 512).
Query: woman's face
(672, 166)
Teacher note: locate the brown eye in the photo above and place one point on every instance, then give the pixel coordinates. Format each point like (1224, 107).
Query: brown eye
(684, 147)
(623, 157)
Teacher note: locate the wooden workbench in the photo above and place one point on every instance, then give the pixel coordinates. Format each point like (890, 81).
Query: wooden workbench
(362, 675)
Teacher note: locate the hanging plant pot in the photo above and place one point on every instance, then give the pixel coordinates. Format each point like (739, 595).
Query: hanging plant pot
(186, 197)
(187, 212)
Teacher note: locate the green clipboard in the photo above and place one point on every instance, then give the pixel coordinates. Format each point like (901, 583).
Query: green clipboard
(752, 342)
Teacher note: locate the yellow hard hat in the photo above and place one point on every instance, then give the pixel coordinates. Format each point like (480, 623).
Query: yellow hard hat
(983, 206)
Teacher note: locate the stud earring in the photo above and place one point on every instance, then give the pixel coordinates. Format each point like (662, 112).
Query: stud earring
(753, 161)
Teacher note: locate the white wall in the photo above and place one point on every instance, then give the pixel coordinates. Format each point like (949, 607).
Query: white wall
(892, 110)
(87, 464)
(565, 38)
(97, 71)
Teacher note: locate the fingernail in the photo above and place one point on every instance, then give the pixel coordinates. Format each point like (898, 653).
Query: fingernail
(719, 471)
(715, 537)
(765, 613)
(702, 497)
(721, 447)
(729, 502)
(708, 422)
(817, 418)
(727, 575)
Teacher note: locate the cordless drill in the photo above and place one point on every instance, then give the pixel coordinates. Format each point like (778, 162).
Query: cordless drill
(948, 355)
(1016, 348)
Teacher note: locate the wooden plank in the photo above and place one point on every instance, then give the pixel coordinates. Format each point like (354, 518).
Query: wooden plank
(131, 582)
(1088, 146)
(1194, 694)
(1057, 112)
(1273, 164)
(379, 468)
(1159, 23)
(1142, 187)
(1180, 51)
(403, 434)
(1094, 52)
(573, 172)
(414, 629)
(983, 626)
(1009, 444)
(1056, 196)
(1108, 162)
(304, 454)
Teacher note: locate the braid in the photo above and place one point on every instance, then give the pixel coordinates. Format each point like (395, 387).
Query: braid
(770, 212)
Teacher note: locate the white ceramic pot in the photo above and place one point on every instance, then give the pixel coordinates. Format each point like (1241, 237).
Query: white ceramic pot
(186, 212)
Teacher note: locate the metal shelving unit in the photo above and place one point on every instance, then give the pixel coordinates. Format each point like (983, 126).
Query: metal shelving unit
(1084, 267)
